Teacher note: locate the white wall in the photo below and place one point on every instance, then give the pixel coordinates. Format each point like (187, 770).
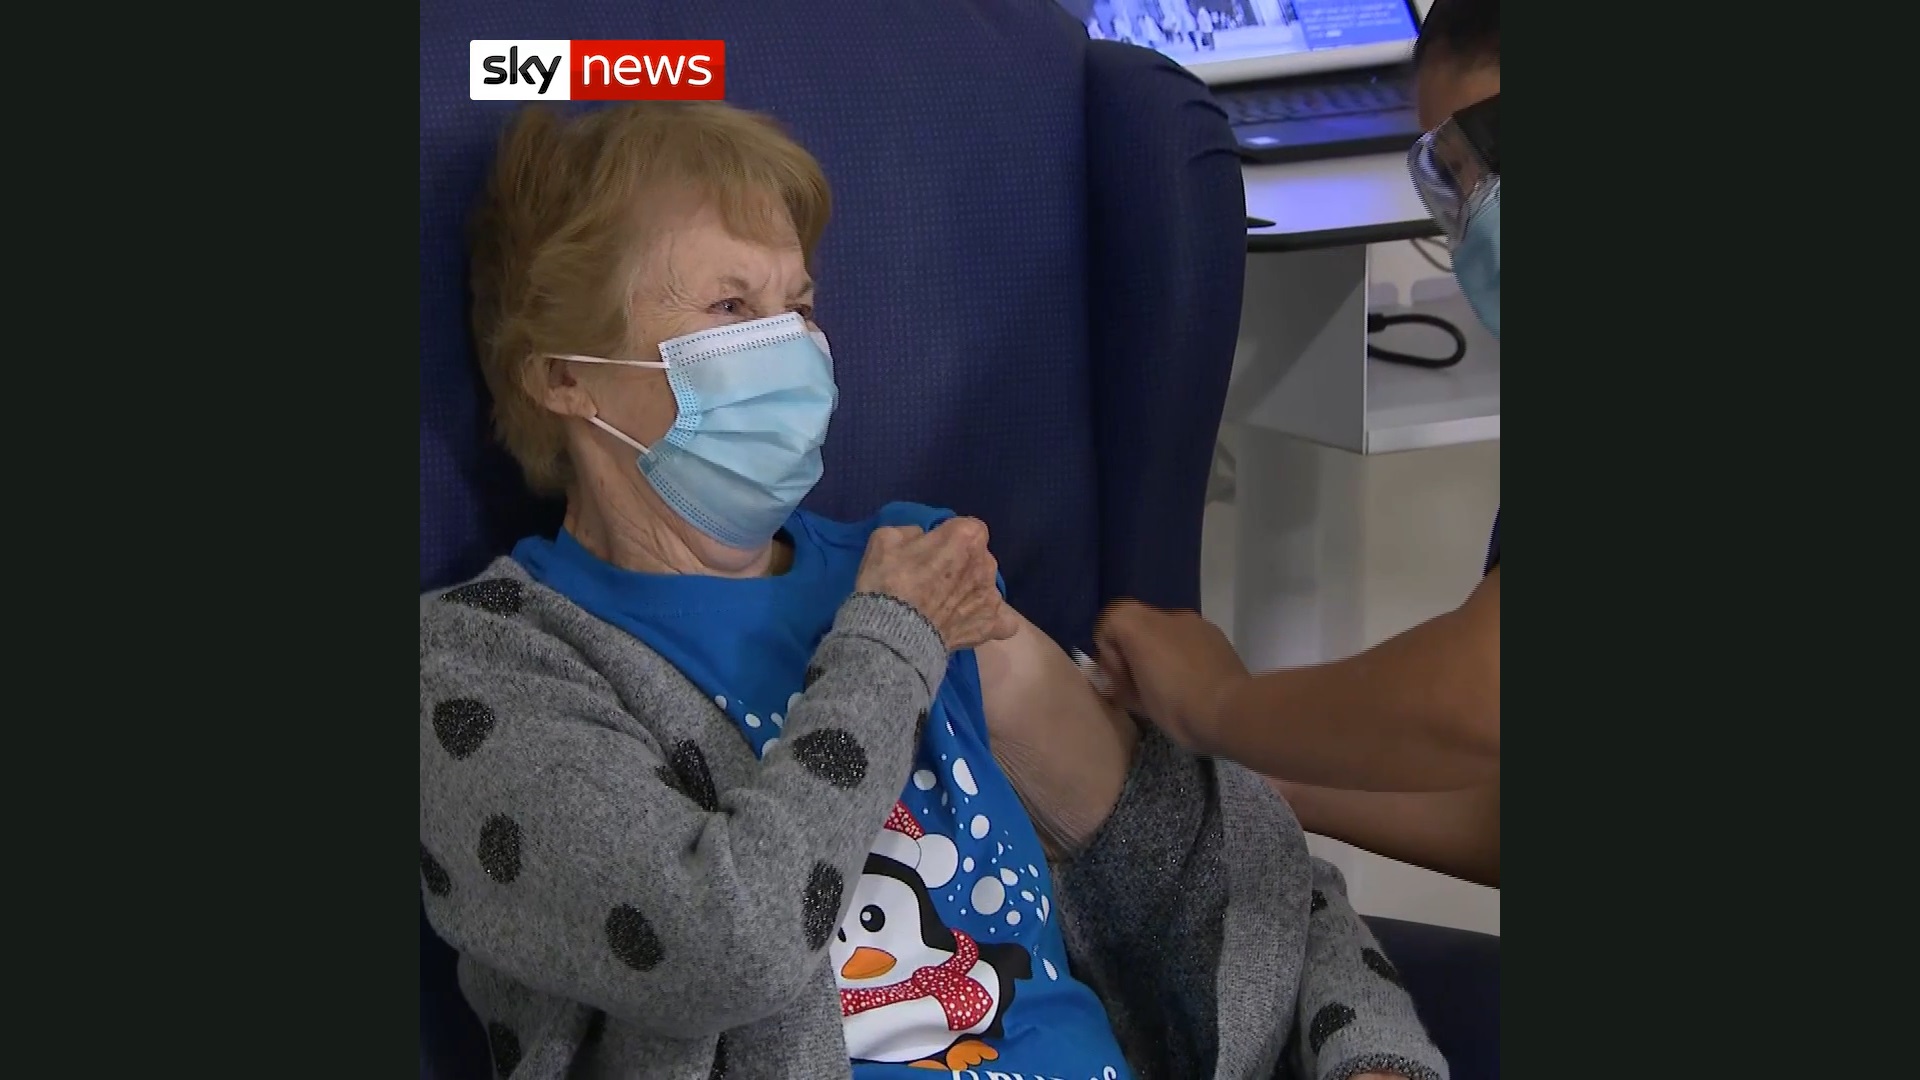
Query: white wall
(1426, 517)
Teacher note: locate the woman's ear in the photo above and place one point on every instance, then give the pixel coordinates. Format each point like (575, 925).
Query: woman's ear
(551, 382)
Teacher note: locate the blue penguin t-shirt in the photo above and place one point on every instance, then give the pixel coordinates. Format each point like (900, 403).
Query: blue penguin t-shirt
(950, 956)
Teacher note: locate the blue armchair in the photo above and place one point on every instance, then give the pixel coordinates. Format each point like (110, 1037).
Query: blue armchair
(1032, 281)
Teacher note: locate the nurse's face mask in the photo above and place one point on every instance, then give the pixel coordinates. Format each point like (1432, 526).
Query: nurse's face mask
(1456, 169)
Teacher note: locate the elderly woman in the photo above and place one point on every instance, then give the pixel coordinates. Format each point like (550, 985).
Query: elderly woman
(713, 786)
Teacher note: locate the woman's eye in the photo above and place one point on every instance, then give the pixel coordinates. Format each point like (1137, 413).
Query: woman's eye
(731, 306)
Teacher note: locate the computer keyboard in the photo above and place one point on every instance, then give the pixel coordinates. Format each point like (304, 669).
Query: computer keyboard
(1268, 104)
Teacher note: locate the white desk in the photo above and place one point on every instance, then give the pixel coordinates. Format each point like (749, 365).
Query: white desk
(1302, 368)
(1307, 409)
(1346, 201)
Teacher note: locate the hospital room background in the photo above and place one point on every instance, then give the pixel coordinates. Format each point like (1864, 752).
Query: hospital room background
(1413, 539)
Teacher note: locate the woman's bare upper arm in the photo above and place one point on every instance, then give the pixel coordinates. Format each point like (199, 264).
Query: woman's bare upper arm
(1065, 749)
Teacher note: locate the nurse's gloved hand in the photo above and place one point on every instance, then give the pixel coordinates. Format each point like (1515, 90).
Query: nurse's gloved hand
(1171, 667)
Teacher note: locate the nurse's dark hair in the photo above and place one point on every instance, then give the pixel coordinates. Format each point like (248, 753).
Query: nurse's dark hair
(1462, 31)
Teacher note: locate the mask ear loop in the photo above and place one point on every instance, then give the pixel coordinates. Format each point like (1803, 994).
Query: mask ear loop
(655, 365)
(618, 434)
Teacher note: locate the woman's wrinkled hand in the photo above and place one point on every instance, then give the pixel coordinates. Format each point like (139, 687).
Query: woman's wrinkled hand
(947, 575)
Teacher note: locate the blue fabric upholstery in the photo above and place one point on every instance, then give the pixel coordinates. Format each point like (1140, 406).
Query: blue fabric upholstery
(452, 1045)
(1454, 977)
(1168, 259)
(1032, 282)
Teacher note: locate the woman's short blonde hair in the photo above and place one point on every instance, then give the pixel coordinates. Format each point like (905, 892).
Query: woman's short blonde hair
(561, 231)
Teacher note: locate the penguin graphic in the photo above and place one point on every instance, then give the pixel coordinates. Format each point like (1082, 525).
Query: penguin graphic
(913, 989)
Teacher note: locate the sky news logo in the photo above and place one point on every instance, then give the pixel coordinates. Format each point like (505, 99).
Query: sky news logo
(597, 70)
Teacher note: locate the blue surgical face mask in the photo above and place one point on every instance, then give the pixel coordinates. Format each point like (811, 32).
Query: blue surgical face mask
(754, 400)
(1476, 259)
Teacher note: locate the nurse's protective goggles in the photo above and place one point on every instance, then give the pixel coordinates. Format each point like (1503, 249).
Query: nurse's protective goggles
(1456, 166)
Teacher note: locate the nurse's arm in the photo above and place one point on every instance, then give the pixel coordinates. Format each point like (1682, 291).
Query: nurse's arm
(1453, 832)
(1417, 712)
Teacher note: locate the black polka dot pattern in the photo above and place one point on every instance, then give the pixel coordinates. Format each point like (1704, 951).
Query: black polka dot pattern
(719, 1071)
(686, 772)
(495, 596)
(1319, 901)
(461, 725)
(820, 904)
(833, 755)
(506, 1048)
(1378, 964)
(1331, 1018)
(500, 848)
(814, 672)
(433, 874)
(632, 938)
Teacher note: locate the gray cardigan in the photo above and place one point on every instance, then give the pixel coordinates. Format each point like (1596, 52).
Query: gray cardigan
(633, 894)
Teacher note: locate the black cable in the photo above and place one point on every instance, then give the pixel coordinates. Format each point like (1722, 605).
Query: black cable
(1377, 323)
(1420, 248)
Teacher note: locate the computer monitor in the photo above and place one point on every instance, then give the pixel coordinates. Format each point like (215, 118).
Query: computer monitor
(1232, 41)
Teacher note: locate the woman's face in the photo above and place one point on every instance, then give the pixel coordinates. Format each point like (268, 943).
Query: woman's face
(696, 275)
